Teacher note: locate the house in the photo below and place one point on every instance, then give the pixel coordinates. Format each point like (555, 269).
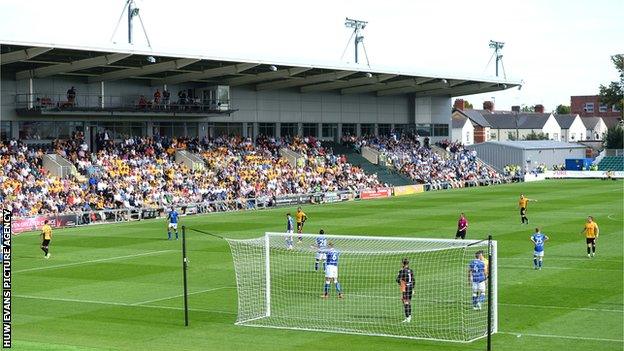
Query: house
(572, 127)
(481, 126)
(595, 128)
(462, 129)
(590, 106)
(512, 126)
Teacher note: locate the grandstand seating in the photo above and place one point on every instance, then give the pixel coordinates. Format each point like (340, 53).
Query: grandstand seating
(612, 163)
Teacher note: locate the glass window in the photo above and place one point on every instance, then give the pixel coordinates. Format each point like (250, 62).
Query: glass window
(603, 108)
(266, 129)
(310, 129)
(191, 130)
(228, 129)
(42, 130)
(467, 137)
(589, 107)
(423, 129)
(329, 130)
(348, 129)
(384, 129)
(289, 129)
(163, 129)
(440, 130)
(5, 130)
(178, 130)
(367, 129)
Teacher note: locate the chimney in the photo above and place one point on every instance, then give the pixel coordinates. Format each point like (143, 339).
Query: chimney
(459, 104)
(488, 105)
(539, 108)
(515, 108)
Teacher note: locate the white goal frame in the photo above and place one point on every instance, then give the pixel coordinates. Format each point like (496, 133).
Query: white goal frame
(266, 285)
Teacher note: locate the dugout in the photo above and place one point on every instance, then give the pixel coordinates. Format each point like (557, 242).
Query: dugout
(528, 152)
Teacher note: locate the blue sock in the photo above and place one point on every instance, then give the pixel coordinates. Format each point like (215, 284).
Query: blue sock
(474, 300)
(323, 265)
(169, 234)
(535, 262)
(326, 288)
(338, 289)
(316, 266)
(482, 298)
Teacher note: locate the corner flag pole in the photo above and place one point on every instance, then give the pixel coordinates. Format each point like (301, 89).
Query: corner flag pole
(184, 269)
(489, 294)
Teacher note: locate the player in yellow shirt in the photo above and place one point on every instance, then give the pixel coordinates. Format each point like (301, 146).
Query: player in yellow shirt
(46, 236)
(523, 203)
(591, 232)
(301, 218)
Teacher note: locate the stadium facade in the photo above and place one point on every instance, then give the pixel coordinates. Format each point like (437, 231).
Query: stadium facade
(50, 91)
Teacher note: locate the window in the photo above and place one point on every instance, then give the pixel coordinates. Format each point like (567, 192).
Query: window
(556, 136)
(615, 108)
(572, 136)
(191, 130)
(266, 129)
(384, 129)
(423, 129)
(367, 129)
(228, 129)
(37, 130)
(329, 130)
(310, 129)
(467, 137)
(441, 130)
(348, 129)
(289, 129)
(603, 108)
(5, 130)
(493, 135)
(589, 107)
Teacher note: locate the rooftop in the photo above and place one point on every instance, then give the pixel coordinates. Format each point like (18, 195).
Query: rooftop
(23, 60)
(537, 144)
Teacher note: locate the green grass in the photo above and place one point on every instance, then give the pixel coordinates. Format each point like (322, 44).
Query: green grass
(122, 301)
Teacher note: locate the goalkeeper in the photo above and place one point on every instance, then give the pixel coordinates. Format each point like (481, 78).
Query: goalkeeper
(405, 279)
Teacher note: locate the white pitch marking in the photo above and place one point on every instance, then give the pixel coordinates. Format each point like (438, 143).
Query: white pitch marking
(180, 295)
(613, 219)
(565, 268)
(111, 303)
(91, 261)
(562, 307)
(551, 258)
(561, 336)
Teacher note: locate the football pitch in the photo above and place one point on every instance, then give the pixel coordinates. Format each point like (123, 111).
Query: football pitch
(118, 287)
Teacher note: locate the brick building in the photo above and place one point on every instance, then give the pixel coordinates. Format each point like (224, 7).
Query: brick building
(590, 106)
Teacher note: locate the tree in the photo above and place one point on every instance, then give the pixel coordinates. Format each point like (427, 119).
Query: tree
(526, 108)
(536, 136)
(562, 110)
(511, 136)
(613, 94)
(467, 105)
(614, 138)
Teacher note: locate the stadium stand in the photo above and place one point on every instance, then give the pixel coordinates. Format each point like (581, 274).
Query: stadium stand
(612, 163)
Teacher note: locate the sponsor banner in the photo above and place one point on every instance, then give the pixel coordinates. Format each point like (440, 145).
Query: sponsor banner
(331, 197)
(68, 220)
(408, 189)
(532, 177)
(28, 224)
(292, 200)
(375, 193)
(583, 174)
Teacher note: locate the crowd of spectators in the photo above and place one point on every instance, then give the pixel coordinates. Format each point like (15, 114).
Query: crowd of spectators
(143, 173)
(456, 167)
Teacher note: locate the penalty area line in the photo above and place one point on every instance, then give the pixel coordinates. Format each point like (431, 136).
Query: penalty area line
(519, 334)
(111, 303)
(91, 261)
(180, 295)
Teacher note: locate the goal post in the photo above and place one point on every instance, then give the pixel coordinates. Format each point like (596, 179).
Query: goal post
(278, 286)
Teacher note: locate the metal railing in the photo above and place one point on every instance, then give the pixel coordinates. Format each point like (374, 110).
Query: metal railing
(125, 103)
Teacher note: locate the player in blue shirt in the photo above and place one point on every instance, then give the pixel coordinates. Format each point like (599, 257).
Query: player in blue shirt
(290, 229)
(538, 239)
(477, 274)
(331, 270)
(320, 245)
(172, 218)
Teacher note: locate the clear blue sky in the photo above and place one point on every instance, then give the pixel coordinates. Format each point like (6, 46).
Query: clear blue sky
(559, 48)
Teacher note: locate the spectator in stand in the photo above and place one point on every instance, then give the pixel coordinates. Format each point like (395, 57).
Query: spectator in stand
(157, 97)
(71, 96)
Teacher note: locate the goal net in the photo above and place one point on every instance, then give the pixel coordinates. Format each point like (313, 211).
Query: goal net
(278, 286)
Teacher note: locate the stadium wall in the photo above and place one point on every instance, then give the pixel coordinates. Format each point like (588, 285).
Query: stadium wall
(499, 155)
(359, 112)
